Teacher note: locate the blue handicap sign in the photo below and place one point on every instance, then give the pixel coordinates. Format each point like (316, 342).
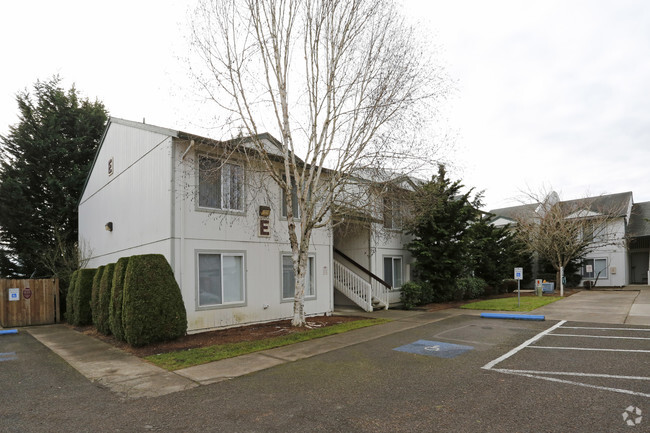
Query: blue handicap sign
(434, 348)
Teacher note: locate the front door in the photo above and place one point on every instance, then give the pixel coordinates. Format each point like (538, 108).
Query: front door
(639, 264)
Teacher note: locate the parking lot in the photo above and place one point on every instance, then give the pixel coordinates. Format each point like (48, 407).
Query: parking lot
(458, 374)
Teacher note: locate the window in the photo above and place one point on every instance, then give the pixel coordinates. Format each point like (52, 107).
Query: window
(294, 201)
(289, 279)
(392, 214)
(393, 271)
(221, 279)
(588, 231)
(592, 267)
(221, 185)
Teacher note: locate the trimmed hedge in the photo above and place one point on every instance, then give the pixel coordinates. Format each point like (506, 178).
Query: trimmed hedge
(104, 300)
(153, 308)
(82, 294)
(115, 307)
(69, 313)
(94, 298)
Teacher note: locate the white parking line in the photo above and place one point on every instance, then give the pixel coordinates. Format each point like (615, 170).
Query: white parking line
(544, 374)
(607, 329)
(599, 336)
(491, 364)
(570, 373)
(596, 349)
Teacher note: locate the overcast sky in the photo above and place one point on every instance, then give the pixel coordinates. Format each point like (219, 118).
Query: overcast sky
(549, 93)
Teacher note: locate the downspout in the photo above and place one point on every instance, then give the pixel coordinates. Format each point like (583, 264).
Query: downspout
(182, 235)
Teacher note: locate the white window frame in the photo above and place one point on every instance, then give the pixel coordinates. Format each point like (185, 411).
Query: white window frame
(401, 267)
(392, 214)
(224, 204)
(311, 276)
(592, 275)
(294, 201)
(222, 254)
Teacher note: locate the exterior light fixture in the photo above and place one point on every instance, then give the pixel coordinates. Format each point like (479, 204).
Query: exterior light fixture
(265, 211)
(109, 226)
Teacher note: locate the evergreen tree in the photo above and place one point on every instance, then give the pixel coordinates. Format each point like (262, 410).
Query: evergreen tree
(44, 161)
(441, 218)
(495, 252)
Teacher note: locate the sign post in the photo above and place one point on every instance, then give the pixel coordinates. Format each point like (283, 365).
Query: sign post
(519, 275)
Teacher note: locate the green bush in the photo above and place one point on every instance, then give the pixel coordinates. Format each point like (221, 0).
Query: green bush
(104, 300)
(573, 280)
(411, 295)
(469, 288)
(153, 308)
(94, 295)
(115, 307)
(69, 313)
(82, 294)
(508, 285)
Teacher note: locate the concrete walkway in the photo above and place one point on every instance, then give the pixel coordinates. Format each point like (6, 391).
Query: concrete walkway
(630, 305)
(131, 377)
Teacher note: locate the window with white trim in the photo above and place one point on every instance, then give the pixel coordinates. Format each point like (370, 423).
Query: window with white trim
(392, 213)
(221, 184)
(393, 271)
(289, 278)
(221, 278)
(591, 268)
(294, 201)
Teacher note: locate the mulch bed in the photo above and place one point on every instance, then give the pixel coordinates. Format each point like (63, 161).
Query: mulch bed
(231, 335)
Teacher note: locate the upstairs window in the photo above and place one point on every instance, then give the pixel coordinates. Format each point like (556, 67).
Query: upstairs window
(221, 185)
(294, 201)
(392, 214)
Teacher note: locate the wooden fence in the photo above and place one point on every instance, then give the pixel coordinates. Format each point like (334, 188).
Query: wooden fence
(29, 302)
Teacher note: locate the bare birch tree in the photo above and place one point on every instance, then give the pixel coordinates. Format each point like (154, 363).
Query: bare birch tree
(346, 86)
(564, 231)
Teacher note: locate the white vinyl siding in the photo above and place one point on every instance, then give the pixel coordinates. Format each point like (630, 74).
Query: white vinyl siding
(221, 185)
(221, 279)
(289, 279)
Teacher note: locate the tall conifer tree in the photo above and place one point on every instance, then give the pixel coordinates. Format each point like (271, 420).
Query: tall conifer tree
(44, 160)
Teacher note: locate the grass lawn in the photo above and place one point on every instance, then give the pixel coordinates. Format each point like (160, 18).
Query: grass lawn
(188, 358)
(528, 303)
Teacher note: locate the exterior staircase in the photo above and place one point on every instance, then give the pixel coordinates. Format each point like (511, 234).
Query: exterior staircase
(369, 294)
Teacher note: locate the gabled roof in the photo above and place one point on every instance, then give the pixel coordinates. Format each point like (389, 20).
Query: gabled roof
(607, 203)
(590, 206)
(514, 212)
(639, 220)
(274, 150)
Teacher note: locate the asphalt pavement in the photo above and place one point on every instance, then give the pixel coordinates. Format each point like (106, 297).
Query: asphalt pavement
(422, 372)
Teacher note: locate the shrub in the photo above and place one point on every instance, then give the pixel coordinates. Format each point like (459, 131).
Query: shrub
(573, 280)
(508, 285)
(411, 295)
(153, 308)
(69, 314)
(115, 307)
(104, 300)
(469, 288)
(82, 295)
(94, 295)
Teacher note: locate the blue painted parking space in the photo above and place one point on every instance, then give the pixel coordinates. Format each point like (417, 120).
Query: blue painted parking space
(434, 348)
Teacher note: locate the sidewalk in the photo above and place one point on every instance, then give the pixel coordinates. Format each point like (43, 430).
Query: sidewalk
(131, 377)
(630, 305)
